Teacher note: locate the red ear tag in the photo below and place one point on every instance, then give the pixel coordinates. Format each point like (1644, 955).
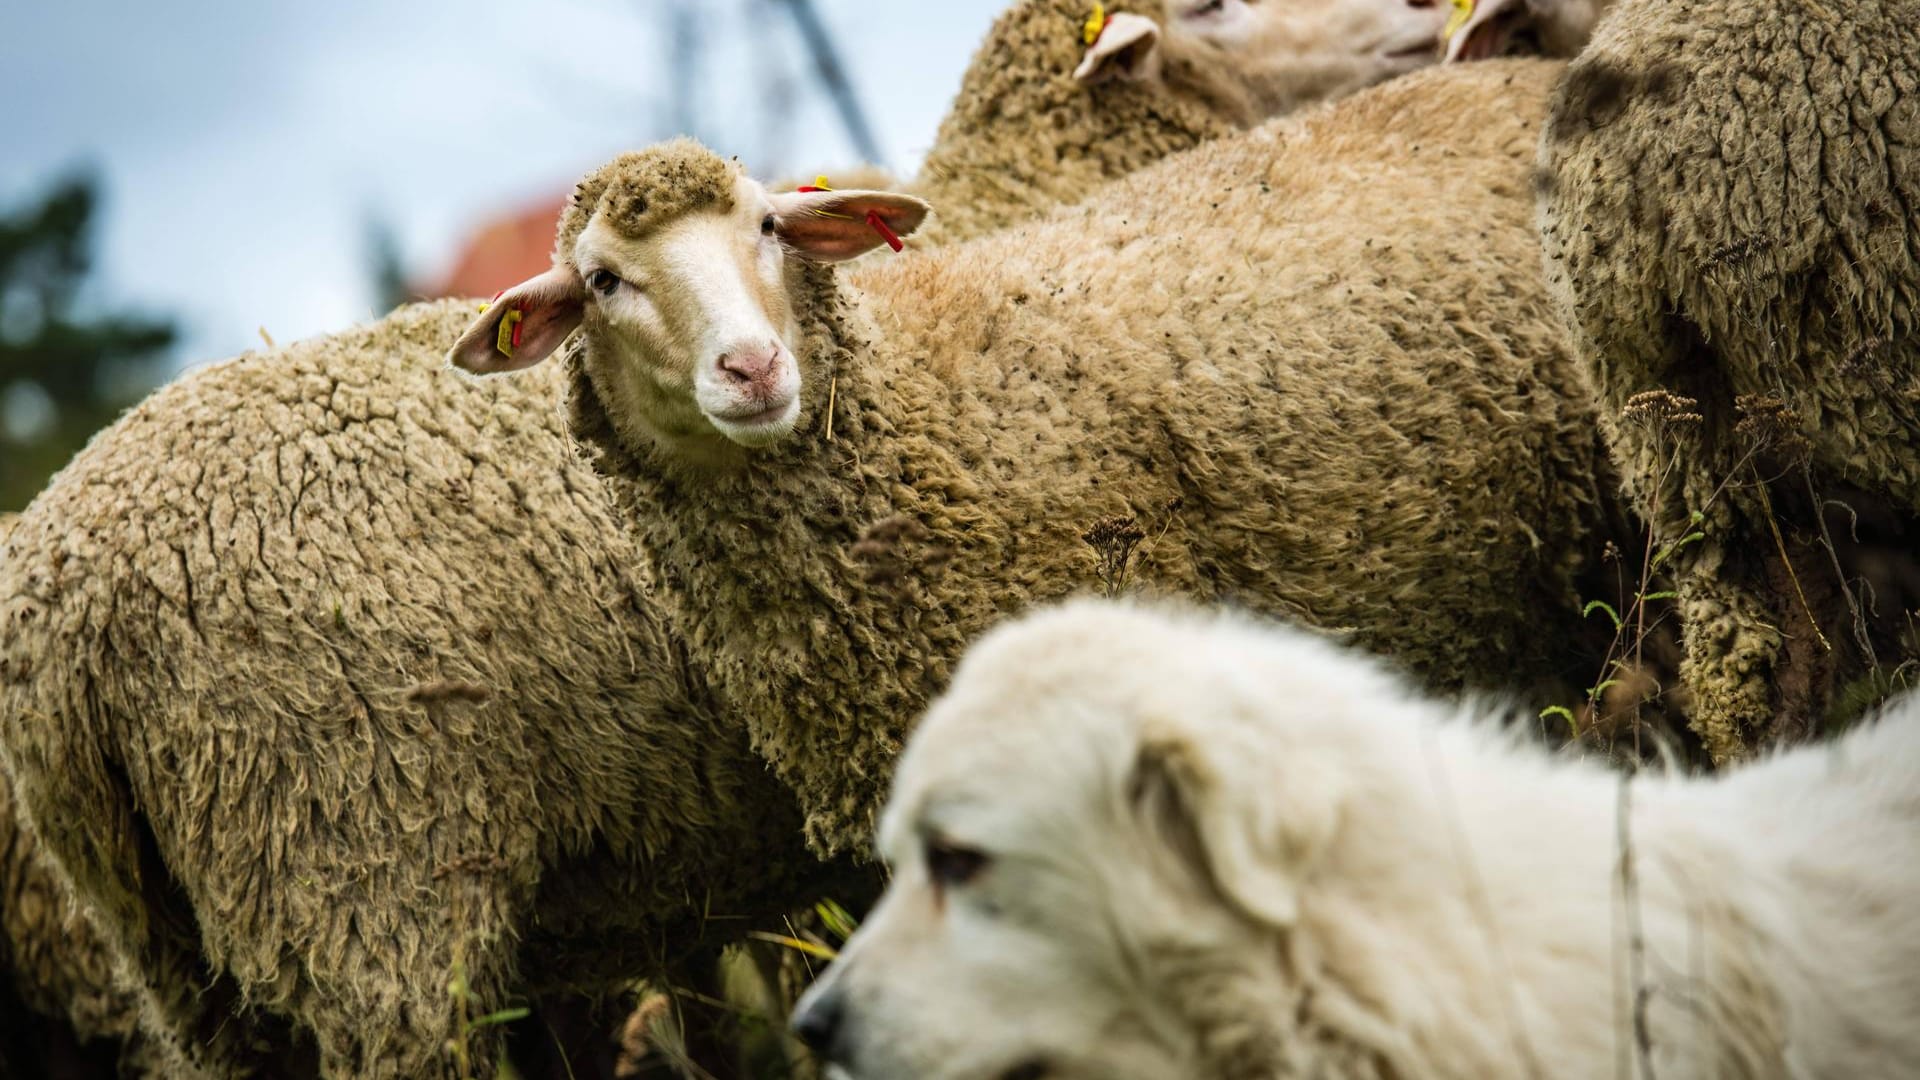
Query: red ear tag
(518, 324)
(879, 226)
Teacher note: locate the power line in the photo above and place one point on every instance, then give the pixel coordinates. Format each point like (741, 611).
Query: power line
(826, 60)
(684, 55)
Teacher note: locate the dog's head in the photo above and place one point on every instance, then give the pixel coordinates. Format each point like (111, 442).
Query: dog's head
(1097, 836)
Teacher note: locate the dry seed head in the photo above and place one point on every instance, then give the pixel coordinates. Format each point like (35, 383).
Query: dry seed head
(1770, 424)
(1113, 531)
(1661, 407)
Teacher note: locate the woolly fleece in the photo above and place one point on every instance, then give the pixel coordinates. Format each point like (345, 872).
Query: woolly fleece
(1322, 391)
(1730, 201)
(636, 193)
(1023, 136)
(57, 968)
(985, 156)
(326, 666)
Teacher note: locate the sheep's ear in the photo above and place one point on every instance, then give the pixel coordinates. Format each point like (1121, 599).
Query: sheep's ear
(1488, 26)
(834, 226)
(1128, 48)
(548, 308)
(1220, 803)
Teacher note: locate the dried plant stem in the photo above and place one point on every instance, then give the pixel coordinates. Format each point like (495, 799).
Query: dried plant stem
(1636, 932)
(1780, 543)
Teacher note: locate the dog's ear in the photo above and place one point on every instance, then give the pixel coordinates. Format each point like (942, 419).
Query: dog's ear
(1218, 798)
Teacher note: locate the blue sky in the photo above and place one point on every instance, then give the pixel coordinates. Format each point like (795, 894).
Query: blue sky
(244, 147)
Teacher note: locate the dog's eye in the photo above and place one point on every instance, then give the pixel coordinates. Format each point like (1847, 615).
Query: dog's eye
(950, 864)
(602, 282)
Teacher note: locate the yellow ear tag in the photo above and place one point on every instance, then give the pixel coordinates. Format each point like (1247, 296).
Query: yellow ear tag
(820, 184)
(508, 335)
(1462, 11)
(1097, 22)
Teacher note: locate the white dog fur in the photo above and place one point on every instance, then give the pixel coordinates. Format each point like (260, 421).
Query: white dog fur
(1135, 844)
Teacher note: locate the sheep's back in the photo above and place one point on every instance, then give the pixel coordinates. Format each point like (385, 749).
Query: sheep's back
(1329, 341)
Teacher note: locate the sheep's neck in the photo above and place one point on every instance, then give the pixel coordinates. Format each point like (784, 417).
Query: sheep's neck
(798, 575)
(1024, 138)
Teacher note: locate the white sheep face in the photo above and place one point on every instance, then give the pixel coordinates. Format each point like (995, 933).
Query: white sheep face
(690, 328)
(692, 323)
(1276, 55)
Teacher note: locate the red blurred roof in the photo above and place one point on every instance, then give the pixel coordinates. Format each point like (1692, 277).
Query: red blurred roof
(505, 251)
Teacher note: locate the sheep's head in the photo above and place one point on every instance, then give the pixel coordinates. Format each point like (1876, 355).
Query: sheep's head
(681, 271)
(1271, 55)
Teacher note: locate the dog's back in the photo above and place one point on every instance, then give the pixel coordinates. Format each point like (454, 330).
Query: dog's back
(1833, 835)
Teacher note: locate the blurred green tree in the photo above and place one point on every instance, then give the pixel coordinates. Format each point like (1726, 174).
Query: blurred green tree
(67, 367)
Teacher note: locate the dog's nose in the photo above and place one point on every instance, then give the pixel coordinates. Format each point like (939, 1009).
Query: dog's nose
(817, 1022)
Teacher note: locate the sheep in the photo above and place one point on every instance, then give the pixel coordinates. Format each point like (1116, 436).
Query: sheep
(1729, 199)
(1485, 28)
(405, 660)
(1163, 76)
(1044, 119)
(1254, 363)
(290, 688)
(1150, 844)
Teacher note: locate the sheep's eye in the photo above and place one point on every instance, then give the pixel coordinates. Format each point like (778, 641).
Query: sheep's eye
(602, 282)
(950, 864)
(1209, 8)
(766, 225)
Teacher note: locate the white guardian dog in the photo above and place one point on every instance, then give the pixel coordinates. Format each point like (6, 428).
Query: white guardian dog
(1130, 843)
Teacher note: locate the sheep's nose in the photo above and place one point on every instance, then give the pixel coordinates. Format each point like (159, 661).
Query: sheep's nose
(749, 364)
(818, 1021)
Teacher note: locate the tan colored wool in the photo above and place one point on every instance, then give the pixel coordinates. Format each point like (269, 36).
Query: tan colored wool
(172, 661)
(55, 963)
(1023, 137)
(58, 968)
(637, 193)
(1318, 363)
(1731, 194)
(326, 667)
(134, 735)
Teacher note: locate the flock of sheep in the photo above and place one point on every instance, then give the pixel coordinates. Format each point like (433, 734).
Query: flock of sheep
(330, 675)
